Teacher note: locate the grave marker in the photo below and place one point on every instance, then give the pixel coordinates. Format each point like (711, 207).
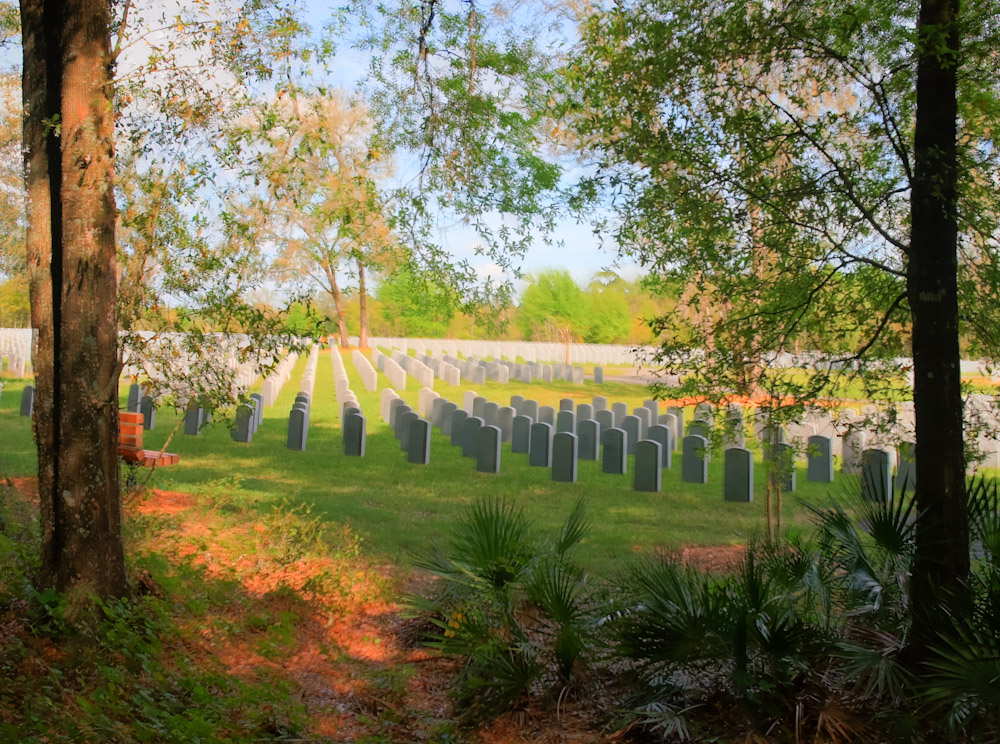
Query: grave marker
(819, 452)
(632, 425)
(663, 435)
(458, 419)
(243, 426)
(418, 444)
(564, 457)
(648, 464)
(28, 400)
(540, 445)
(354, 435)
(614, 451)
(520, 437)
(737, 481)
(565, 422)
(148, 411)
(488, 450)
(876, 475)
(588, 434)
(694, 460)
(470, 435)
(298, 429)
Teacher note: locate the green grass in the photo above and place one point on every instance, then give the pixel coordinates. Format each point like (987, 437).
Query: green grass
(398, 508)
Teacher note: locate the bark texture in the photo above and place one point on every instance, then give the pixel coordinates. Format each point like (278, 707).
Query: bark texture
(69, 168)
(942, 560)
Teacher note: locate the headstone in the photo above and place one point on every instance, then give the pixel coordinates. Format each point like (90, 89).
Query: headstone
(468, 400)
(599, 375)
(394, 409)
(620, 411)
(784, 466)
(540, 445)
(418, 444)
(397, 427)
(565, 422)
(547, 415)
(734, 434)
(505, 422)
(516, 401)
(648, 464)
(193, 418)
(135, 394)
(644, 421)
(694, 459)
(258, 410)
(243, 426)
(478, 406)
(819, 454)
(448, 408)
(605, 420)
(600, 403)
(737, 480)
(488, 450)
(470, 436)
(564, 457)
(148, 411)
(584, 411)
(28, 400)
(354, 435)
(876, 475)
(853, 445)
(405, 423)
(437, 407)
(653, 406)
(298, 429)
(632, 425)
(566, 404)
(669, 420)
(678, 413)
(588, 435)
(530, 409)
(614, 451)
(664, 435)
(906, 471)
(458, 419)
(520, 435)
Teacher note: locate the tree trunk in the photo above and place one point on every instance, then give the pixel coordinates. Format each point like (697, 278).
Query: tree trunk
(942, 554)
(338, 303)
(70, 171)
(363, 305)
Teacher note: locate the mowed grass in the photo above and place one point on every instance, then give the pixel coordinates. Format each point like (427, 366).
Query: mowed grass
(399, 509)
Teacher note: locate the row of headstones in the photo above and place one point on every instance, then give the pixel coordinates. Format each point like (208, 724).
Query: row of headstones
(478, 371)
(15, 351)
(343, 393)
(369, 377)
(298, 422)
(140, 402)
(389, 368)
(443, 369)
(249, 417)
(308, 383)
(277, 379)
(419, 371)
(530, 351)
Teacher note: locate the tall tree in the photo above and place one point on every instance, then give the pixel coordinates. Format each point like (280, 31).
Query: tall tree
(68, 136)
(823, 140)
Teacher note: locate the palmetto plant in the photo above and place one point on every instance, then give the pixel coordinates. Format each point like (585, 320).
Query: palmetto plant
(513, 604)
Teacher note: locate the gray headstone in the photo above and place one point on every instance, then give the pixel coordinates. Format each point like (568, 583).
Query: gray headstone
(28, 400)
(632, 425)
(853, 445)
(620, 411)
(243, 426)
(505, 422)
(694, 459)
(516, 401)
(405, 423)
(478, 406)
(258, 410)
(783, 468)
(653, 406)
(470, 436)
(547, 415)
(540, 445)
(148, 411)
(669, 420)
(614, 451)
(876, 475)
(564, 457)
(458, 419)
(135, 393)
(819, 453)
(566, 404)
(599, 375)
(490, 411)
(530, 409)
(737, 481)
(605, 420)
(644, 421)
(588, 435)
(520, 435)
(397, 426)
(394, 406)
(678, 413)
(600, 403)
(648, 464)
(906, 472)
(193, 419)
(584, 411)
(565, 422)
(488, 450)
(437, 410)
(448, 408)
(298, 429)
(664, 435)
(354, 435)
(418, 442)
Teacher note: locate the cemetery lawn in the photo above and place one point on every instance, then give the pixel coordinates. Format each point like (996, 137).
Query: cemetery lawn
(399, 510)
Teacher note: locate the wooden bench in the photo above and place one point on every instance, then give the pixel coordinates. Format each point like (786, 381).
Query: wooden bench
(130, 444)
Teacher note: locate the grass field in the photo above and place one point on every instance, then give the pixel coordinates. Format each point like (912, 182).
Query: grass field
(397, 508)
